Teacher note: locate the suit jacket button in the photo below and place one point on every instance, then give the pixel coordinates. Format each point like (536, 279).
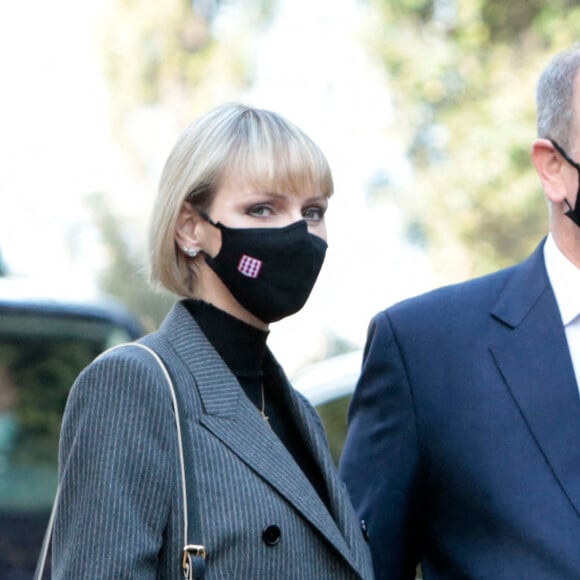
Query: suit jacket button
(271, 535)
(365, 530)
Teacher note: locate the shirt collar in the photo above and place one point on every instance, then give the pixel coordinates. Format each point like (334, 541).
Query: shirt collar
(565, 280)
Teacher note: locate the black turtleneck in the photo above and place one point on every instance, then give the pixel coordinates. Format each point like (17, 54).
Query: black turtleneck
(243, 349)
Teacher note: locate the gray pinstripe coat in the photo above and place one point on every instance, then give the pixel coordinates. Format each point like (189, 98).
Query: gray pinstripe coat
(120, 514)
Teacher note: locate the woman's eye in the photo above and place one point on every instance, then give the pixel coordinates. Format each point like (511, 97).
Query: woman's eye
(260, 210)
(313, 213)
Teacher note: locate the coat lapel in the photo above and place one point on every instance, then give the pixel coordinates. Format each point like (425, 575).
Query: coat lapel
(312, 432)
(233, 419)
(532, 355)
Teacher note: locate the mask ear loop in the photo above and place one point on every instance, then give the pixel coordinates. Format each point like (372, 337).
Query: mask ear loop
(206, 217)
(572, 213)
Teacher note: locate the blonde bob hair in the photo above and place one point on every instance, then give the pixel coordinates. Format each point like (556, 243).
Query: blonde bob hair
(254, 146)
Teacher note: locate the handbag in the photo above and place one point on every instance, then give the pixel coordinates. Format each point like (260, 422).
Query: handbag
(193, 554)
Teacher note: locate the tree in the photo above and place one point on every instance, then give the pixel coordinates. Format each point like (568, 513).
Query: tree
(177, 56)
(463, 77)
(3, 268)
(125, 275)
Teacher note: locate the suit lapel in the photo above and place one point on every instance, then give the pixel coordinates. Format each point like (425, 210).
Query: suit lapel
(313, 434)
(233, 419)
(532, 356)
(267, 457)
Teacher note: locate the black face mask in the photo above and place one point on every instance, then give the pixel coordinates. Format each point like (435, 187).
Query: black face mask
(573, 214)
(269, 271)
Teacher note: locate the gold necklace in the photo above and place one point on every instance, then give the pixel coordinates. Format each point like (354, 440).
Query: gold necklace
(263, 409)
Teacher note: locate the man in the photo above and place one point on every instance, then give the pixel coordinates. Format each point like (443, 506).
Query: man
(463, 451)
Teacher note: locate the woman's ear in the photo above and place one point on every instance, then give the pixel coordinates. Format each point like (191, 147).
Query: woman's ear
(186, 228)
(551, 168)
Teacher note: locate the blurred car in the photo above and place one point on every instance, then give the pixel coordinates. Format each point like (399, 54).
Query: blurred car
(329, 386)
(45, 341)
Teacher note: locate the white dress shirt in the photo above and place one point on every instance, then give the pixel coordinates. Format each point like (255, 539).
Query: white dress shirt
(565, 280)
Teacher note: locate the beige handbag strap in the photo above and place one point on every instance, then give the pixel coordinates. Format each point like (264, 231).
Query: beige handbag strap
(193, 555)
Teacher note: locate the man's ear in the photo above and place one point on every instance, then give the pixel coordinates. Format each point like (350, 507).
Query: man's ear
(186, 227)
(550, 166)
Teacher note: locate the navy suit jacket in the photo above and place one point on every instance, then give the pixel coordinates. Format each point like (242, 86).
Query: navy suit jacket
(463, 450)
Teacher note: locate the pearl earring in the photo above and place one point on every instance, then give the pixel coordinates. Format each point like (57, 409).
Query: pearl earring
(191, 252)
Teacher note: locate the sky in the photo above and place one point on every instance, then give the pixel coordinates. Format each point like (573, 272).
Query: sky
(54, 146)
(55, 149)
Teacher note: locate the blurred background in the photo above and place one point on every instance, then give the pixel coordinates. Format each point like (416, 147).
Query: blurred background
(425, 109)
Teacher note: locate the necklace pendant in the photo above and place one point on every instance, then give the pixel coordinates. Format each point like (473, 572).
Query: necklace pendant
(263, 409)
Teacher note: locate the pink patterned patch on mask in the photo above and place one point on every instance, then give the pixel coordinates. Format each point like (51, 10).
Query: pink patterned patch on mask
(249, 266)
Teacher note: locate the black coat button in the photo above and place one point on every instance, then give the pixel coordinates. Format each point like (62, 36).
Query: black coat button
(365, 530)
(271, 535)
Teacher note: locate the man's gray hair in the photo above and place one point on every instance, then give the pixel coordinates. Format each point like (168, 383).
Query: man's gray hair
(555, 95)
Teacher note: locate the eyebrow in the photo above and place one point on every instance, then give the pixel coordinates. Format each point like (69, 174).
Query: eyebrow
(314, 198)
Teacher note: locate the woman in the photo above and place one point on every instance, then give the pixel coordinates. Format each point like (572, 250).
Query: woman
(238, 231)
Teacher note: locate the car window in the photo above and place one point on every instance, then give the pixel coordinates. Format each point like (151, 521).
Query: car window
(41, 353)
(334, 417)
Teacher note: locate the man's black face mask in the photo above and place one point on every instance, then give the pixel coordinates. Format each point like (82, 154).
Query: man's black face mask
(572, 213)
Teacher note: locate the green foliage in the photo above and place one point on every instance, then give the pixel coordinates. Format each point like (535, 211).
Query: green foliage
(125, 275)
(334, 418)
(167, 54)
(463, 77)
(43, 369)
